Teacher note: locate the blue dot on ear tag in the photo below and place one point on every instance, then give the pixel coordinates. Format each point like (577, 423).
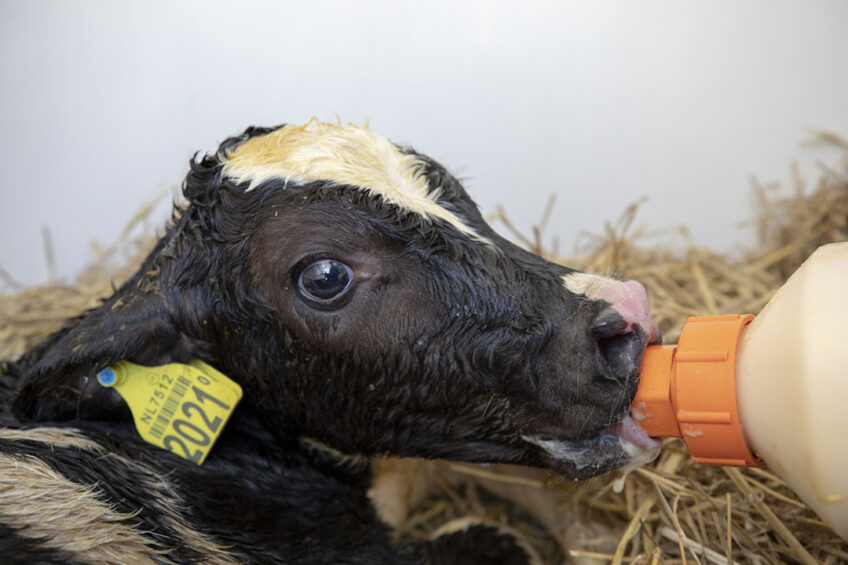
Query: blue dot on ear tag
(106, 377)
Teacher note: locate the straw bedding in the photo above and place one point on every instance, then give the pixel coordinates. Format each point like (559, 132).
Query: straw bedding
(669, 511)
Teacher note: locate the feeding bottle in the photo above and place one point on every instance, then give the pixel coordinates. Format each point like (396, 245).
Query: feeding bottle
(745, 391)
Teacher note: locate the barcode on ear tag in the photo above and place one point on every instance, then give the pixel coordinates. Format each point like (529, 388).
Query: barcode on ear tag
(178, 407)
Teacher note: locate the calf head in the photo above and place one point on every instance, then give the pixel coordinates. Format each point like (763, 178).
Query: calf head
(353, 289)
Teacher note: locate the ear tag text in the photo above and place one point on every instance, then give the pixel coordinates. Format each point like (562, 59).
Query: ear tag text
(178, 407)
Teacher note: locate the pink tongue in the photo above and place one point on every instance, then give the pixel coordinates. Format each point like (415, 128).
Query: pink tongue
(629, 430)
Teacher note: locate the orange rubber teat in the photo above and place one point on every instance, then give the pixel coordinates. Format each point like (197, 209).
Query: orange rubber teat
(688, 390)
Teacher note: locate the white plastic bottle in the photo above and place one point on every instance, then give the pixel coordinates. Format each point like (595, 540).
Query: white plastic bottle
(743, 391)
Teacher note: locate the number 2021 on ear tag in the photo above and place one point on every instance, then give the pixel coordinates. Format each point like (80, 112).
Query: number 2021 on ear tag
(178, 407)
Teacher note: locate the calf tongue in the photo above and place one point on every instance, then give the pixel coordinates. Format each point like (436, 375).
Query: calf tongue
(629, 430)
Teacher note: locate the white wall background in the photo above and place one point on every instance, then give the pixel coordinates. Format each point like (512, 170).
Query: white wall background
(103, 102)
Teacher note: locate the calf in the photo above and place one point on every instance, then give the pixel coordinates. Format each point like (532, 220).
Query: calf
(354, 291)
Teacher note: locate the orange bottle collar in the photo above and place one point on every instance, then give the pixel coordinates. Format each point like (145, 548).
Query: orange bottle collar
(688, 390)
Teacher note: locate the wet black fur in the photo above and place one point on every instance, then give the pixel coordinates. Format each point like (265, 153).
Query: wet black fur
(449, 347)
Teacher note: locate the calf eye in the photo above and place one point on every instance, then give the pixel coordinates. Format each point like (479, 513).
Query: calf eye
(325, 280)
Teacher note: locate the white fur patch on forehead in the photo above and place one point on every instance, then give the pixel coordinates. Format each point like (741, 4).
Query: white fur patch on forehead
(350, 155)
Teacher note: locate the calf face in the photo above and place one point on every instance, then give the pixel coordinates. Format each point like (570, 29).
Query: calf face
(353, 289)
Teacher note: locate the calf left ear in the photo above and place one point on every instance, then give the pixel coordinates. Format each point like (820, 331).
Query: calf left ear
(58, 378)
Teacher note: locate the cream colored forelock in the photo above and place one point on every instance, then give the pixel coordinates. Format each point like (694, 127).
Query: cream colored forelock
(350, 155)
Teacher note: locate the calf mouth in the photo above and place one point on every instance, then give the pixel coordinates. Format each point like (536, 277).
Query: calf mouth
(621, 444)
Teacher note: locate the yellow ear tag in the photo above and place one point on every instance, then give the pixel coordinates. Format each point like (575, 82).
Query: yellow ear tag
(178, 407)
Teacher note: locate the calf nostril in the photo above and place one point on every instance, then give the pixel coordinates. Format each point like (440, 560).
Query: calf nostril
(608, 326)
(619, 348)
(608, 323)
(620, 354)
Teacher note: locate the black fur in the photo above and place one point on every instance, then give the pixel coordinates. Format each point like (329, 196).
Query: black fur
(21, 550)
(445, 347)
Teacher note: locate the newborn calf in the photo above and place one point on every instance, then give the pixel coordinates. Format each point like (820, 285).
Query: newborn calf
(354, 291)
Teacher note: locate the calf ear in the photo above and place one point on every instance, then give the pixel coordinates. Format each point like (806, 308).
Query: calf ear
(58, 378)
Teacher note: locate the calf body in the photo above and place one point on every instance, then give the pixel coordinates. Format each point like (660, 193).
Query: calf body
(354, 291)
